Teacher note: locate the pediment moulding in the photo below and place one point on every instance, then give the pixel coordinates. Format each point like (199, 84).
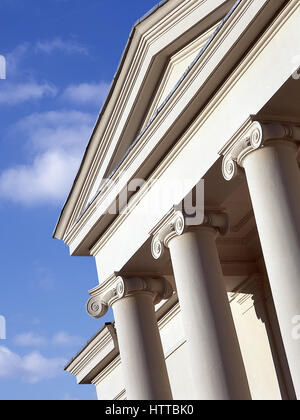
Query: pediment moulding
(177, 222)
(150, 44)
(78, 234)
(118, 287)
(253, 136)
(163, 92)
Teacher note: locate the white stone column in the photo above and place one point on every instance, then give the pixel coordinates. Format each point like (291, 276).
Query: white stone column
(214, 354)
(268, 152)
(142, 357)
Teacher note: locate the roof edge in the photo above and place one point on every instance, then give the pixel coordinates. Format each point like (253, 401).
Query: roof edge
(56, 233)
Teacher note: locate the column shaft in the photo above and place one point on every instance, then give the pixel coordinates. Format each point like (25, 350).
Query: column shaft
(273, 178)
(141, 351)
(217, 364)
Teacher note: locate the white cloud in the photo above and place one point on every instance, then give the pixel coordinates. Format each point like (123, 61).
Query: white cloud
(55, 129)
(86, 93)
(12, 94)
(57, 44)
(31, 368)
(20, 85)
(56, 140)
(47, 179)
(29, 340)
(64, 339)
(14, 59)
(60, 339)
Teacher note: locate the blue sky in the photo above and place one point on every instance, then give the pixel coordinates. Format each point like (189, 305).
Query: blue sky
(61, 57)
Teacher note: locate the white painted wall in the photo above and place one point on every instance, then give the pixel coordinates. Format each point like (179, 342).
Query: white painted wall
(110, 384)
(255, 348)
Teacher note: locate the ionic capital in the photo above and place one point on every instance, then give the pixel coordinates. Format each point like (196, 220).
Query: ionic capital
(118, 287)
(253, 138)
(176, 224)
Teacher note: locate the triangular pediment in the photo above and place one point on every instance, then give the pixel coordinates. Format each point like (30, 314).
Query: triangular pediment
(160, 50)
(177, 65)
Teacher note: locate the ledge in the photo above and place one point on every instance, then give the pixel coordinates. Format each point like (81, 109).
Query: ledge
(95, 356)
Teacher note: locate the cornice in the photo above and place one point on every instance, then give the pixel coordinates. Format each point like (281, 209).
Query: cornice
(85, 357)
(86, 364)
(107, 370)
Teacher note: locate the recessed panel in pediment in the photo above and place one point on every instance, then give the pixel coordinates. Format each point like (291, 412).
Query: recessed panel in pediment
(176, 67)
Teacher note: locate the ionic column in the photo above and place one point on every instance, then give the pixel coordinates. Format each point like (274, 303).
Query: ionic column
(214, 354)
(142, 357)
(268, 153)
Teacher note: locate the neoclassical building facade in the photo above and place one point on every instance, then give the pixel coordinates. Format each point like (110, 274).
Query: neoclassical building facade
(188, 198)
